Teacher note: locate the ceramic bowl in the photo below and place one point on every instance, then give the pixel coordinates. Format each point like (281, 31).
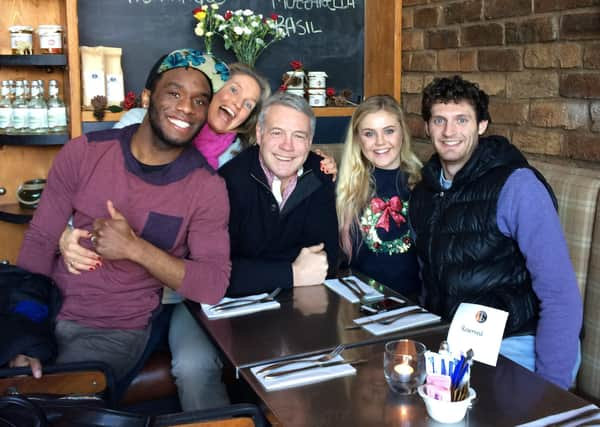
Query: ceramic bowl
(446, 412)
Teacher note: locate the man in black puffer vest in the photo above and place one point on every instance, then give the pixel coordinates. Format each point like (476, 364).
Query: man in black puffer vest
(488, 233)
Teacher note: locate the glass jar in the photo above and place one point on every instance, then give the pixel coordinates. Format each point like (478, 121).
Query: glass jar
(21, 39)
(51, 38)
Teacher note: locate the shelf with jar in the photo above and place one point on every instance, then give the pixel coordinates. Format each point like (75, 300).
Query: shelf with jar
(33, 60)
(27, 118)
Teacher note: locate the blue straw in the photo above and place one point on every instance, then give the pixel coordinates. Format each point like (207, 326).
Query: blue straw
(457, 370)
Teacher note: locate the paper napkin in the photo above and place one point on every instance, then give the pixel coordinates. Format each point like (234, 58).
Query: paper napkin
(343, 291)
(240, 311)
(587, 413)
(411, 321)
(309, 376)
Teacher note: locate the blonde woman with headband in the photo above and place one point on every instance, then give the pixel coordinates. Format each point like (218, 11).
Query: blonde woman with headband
(377, 172)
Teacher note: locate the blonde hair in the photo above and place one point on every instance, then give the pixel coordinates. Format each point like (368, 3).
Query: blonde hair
(247, 130)
(355, 185)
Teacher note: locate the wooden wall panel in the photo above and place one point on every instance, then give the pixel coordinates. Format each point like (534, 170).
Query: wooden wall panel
(11, 237)
(20, 163)
(383, 47)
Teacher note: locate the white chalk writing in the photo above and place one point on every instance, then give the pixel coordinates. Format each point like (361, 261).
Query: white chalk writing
(297, 27)
(332, 5)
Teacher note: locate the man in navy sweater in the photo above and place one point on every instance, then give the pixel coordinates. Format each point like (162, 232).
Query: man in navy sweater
(283, 224)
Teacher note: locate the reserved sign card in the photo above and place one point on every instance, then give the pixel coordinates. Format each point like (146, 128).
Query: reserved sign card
(480, 328)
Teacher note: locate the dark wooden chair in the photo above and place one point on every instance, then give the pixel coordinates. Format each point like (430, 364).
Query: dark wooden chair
(88, 382)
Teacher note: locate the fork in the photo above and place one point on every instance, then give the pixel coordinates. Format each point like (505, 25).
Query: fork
(324, 358)
(245, 301)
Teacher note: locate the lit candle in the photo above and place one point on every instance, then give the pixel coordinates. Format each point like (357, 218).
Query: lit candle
(404, 370)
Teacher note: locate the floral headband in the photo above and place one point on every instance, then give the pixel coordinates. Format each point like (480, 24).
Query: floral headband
(216, 71)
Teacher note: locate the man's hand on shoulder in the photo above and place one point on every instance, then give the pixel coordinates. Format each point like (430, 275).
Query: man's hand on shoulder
(22, 361)
(310, 266)
(113, 238)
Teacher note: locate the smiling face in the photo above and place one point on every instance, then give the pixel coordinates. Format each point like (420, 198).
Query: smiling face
(380, 136)
(178, 106)
(454, 132)
(284, 141)
(233, 103)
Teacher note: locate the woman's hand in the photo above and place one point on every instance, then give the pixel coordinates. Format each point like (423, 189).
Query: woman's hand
(328, 165)
(76, 257)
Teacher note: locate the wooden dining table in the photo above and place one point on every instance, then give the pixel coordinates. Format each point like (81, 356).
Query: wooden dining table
(313, 319)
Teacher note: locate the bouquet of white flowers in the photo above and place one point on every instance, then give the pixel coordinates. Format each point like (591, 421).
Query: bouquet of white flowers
(246, 33)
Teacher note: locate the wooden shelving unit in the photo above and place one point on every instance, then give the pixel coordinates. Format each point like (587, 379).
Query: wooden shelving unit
(24, 157)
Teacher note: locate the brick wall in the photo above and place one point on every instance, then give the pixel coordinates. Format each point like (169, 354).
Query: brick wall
(539, 60)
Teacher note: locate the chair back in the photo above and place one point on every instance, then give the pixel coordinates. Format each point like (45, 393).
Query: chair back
(82, 379)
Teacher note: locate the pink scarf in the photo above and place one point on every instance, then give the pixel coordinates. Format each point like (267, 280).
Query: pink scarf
(212, 144)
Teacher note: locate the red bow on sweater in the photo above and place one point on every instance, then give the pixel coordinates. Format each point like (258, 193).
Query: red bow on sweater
(392, 208)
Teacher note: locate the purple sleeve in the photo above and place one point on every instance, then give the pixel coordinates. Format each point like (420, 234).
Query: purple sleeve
(208, 241)
(526, 214)
(40, 243)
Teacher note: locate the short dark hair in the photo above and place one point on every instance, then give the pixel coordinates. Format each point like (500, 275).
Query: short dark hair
(455, 89)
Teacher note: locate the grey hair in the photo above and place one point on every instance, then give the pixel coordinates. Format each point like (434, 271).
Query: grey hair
(288, 100)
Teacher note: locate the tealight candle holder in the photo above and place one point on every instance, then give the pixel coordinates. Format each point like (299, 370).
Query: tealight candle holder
(404, 365)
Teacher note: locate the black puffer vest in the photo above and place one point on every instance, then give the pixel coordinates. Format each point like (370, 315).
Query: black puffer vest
(465, 256)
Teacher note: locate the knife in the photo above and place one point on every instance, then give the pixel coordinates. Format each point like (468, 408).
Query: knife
(245, 301)
(390, 319)
(356, 290)
(241, 304)
(315, 365)
(578, 417)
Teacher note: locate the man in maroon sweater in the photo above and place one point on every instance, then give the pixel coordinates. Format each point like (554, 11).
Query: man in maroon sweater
(157, 214)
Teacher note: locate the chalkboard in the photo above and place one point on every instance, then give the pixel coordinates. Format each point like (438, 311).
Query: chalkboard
(325, 35)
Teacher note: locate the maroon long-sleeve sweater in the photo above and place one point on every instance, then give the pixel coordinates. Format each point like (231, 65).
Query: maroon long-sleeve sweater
(182, 208)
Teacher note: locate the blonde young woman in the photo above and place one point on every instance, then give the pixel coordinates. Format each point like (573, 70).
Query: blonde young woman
(377, 172)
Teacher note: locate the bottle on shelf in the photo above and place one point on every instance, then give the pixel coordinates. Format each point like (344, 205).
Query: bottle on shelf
(19, 109)
(57, 113)
(5, 108)
(26, 90)
(42, 91)
(11, 85)
(37, 118)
